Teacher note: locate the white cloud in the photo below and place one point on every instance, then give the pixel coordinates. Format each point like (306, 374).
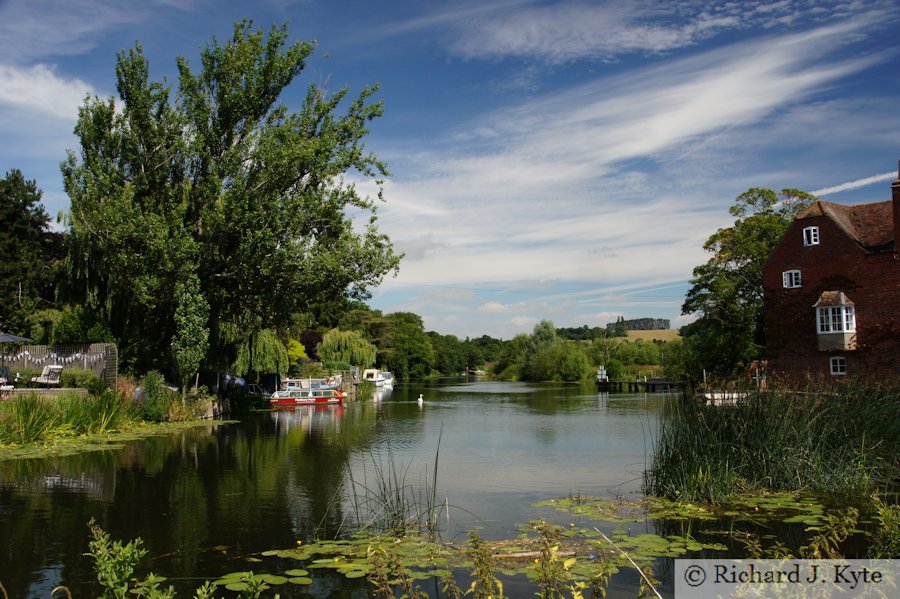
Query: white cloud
(38, 90)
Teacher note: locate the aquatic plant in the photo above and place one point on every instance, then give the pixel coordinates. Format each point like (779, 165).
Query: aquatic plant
(115, 564)
(385, 502)
(485, 584)
(26, 419)
(886, 540)
(842, 443)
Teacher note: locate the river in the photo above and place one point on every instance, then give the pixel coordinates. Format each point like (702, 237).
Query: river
(206, 500)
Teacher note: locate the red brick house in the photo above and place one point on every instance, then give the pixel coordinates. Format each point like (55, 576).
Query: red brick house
(831, 293)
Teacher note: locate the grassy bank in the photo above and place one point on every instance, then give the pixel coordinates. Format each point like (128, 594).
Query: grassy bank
(29, 420)
(842, 442)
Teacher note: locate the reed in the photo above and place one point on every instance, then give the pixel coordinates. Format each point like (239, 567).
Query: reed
(25, 419)
(384, 501)
(91, 414)
(841, 442)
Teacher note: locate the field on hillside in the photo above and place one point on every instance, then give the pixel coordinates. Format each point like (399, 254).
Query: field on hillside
(661, 334)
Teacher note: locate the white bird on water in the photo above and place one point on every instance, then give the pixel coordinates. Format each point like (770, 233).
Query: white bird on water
(421, 399)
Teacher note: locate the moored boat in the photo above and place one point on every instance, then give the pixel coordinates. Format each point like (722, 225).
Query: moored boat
(297, 396)
(377, 377)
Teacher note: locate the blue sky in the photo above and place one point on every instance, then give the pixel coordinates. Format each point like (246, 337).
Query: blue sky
(558, 160)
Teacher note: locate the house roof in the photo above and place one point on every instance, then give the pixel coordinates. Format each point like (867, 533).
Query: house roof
(870, 225)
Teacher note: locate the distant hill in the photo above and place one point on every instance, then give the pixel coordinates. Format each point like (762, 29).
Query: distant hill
(660, 334)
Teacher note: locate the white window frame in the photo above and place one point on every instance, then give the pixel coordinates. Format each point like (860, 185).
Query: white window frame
(791, 279)
(836, 319)
(810, 236)
(837, 365)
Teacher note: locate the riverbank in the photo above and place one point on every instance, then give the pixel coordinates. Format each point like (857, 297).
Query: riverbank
(66, 445)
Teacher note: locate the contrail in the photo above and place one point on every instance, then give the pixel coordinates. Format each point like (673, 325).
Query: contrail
(854, 184)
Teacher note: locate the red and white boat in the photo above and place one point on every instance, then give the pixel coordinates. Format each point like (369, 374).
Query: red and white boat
(297, 397)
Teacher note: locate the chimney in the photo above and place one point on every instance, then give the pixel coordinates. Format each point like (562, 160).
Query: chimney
(895, 196)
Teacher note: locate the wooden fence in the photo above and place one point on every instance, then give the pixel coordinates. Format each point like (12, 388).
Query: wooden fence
(101, 358)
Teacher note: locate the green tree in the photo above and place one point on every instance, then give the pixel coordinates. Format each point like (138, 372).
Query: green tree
(726, 291)
(450, 354)
(410, 352)
(220, 181)
(510, 361)
(30, 254)
(347, 347)
(573, 363)
(191, 340)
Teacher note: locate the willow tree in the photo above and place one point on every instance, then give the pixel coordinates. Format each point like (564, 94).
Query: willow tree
(348, 347)
(219, 180)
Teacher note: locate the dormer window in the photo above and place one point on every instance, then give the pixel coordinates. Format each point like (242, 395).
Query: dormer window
(811, 236)
(791, 279)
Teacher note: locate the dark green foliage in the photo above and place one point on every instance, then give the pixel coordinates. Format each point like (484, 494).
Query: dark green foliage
(30, 254)
(726, 291)
(76, 325)
(409, 353)
(451, 355)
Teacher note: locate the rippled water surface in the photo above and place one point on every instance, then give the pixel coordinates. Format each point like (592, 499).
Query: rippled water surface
(207, 499)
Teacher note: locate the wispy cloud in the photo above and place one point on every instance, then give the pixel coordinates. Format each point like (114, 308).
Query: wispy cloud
(855, 184)
(36, 29)
(562, 32)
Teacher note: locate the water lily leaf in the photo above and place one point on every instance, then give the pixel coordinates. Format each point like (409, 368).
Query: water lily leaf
(296, 573)
(300, 580)
(355, 574)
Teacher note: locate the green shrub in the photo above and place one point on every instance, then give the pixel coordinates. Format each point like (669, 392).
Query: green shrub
(79, 378)
(154, 399)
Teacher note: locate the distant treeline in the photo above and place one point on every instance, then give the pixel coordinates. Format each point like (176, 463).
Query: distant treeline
(641, 324)
(619, 328)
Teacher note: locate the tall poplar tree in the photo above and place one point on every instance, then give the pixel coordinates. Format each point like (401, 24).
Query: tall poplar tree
(218, 181)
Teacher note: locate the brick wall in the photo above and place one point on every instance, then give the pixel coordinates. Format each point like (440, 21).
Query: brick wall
(870, 280)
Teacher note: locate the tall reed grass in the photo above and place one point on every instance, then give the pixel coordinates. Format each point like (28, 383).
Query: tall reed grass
(843, 442)
(384, 500)
(28, 418)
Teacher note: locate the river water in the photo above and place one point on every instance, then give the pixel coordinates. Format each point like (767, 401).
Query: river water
(205, 500)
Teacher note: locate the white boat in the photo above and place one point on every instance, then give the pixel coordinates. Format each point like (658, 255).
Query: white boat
(333, 382)
(377, 377)
(724, 398)
(297, 396)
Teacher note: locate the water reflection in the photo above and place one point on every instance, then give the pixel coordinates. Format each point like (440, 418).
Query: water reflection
(205, 499)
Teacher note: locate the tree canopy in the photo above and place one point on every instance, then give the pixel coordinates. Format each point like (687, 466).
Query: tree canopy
(220, 183)
(726, 291)
(30, 253)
